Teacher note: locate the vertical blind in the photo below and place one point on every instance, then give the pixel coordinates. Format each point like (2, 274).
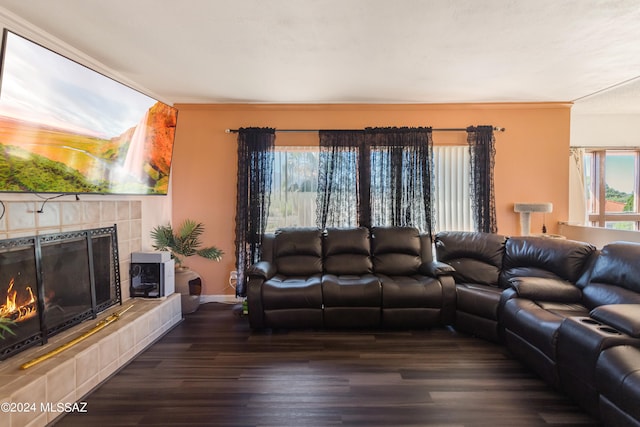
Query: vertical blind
(452, 189)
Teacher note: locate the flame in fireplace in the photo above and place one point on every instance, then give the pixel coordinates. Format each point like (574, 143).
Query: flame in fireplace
(18, 307)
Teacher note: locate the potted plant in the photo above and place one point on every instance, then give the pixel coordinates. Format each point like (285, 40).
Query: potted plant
(184, 242)
(5, 326)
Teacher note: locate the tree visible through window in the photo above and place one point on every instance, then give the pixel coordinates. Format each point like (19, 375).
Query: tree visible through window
(612, 182)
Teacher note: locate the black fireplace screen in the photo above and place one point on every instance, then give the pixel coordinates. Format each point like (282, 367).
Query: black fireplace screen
(49, 283)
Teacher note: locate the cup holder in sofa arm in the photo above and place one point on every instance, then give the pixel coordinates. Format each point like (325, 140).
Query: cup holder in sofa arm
(623, 317)
(599, 326)
(609, 330)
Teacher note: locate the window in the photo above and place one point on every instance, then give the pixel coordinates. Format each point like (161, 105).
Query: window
(295, 182)
(454, 210)
(293, 189)
(612, 186)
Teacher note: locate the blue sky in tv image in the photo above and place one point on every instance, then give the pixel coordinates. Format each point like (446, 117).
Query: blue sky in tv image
(42, 86)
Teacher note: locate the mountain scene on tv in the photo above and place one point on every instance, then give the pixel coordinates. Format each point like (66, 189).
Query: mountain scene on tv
(65, 128)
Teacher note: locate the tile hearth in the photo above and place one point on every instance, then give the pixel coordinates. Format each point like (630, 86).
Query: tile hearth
(30, 398)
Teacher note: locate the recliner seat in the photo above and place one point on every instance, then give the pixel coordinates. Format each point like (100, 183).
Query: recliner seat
(541, 274)
(288, 290)
(412, 293)
(352, 294)
(477, 261)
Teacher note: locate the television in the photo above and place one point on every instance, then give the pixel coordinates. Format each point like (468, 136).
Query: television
(65, 128)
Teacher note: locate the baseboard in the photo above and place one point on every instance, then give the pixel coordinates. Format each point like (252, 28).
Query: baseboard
(225, 299)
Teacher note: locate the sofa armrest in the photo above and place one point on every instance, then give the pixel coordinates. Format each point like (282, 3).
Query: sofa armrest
(254, 302)
(436, 269)
(545, 289)
(257, 274)
(263, 269)
(623, 317)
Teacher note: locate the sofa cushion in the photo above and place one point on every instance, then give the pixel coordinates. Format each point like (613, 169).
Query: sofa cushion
(347, 251)
(614, 277)
(351, 301)
(538, 323)
(544, 257)
(298, 252)
(623, 317)
(545, 289)
(292, 292)
(351, 291)
(396, 250)
(476, 257)
(411, 291)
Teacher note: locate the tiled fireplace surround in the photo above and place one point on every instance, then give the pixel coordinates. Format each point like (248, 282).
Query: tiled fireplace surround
(71, 375)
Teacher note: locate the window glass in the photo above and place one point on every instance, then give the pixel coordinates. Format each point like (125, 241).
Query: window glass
(293, 189)
(617, 207)
(619, 181)
(620, 225)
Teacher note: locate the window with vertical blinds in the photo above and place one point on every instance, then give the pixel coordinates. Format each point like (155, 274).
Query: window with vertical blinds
(452, 189)
(295, 182)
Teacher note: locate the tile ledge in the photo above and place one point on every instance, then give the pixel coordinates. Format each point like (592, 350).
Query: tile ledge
(16, 383)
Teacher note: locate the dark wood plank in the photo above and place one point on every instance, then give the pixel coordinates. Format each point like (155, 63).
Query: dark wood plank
(211, 370)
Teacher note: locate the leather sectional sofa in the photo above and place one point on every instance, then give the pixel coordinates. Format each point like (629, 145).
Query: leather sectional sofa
(349, 278)
(569, 311)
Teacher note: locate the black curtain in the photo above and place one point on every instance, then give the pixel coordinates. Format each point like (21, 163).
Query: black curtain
(255, 172)
(400, 178)
(338, 202)
(482, 153)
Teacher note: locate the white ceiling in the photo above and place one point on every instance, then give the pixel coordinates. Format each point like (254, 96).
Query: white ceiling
(348, 51)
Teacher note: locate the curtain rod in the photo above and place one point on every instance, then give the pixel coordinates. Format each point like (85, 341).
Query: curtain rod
(497, 129)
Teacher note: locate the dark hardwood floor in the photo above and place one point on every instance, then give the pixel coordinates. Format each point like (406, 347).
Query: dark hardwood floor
(211, 370)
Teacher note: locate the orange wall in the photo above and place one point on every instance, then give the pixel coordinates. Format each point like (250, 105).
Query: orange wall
(531, 159)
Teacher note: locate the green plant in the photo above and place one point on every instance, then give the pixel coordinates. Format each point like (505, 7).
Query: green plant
(5, 326)
(184, 241)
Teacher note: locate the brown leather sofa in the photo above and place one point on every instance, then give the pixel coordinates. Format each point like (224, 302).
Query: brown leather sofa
(567, 310)
(349, 278)
(560, 328)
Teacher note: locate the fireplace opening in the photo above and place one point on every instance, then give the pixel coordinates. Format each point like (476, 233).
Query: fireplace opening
(66, 284)
(18, 292)
(49, 283)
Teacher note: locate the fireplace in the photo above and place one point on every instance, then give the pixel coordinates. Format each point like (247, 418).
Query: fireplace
(51, 282)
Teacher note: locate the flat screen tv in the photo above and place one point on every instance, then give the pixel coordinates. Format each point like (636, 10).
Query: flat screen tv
(65, 128)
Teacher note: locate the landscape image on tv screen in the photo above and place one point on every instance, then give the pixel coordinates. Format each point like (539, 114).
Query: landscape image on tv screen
(65, 128)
